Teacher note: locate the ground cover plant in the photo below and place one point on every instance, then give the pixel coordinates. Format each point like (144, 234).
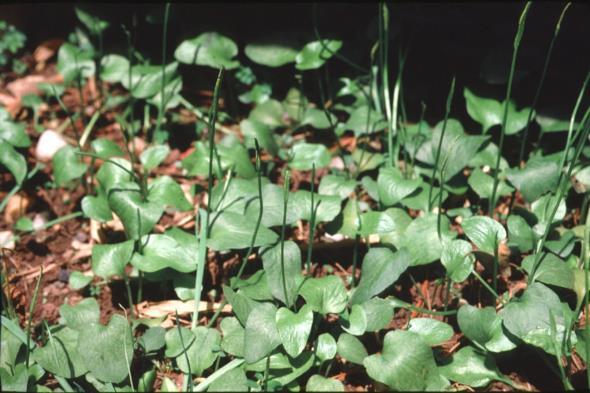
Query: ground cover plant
(312, 237)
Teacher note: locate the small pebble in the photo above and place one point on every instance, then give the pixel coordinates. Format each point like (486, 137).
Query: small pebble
(49, 143)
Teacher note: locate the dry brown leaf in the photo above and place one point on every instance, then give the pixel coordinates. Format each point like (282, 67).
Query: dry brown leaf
(169, 308)
(46, 50)
(15, 208)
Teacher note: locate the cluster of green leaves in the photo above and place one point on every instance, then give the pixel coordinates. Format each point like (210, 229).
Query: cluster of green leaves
(278, 336)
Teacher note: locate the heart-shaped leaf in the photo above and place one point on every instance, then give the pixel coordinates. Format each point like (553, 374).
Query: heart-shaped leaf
(110, 259)
(483, 185)
(178, 341)
(154, 156)
(432, 331)
(520, 233)
(539, 176)
(489, 112)
(484, 232)
(381, 268)
(425, 229)
(233, 336)
(146, 80)
(164, 190)
(458, 259)
(60, 355)
(406, 362)
(314, 54)
(81, 315)
(336, 185)
(107, 351)
(484, 326)
(325, 295)
(234, 380)
(13, 161)
(261, 336)
(73, 62)
(393, 186)
(351, 348)
(379, 313)
(97, 207)
(114, 68)
(138, 216)
(473, 368)
(354, 322)
(202, 353)
(283, 274)
(174, 249)
(67, 165)
(294, 328)
(235, 231)
(303, 155)
(317, 383)
(271, 53)
(326, 347)
(241, 304)
(208, 49)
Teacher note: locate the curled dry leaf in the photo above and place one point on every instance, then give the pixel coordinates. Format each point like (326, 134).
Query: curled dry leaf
(15, 208)
(45, 51)
(169, 308)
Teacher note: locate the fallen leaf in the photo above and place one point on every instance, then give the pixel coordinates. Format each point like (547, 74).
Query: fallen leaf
(46, 50)
(15, 208)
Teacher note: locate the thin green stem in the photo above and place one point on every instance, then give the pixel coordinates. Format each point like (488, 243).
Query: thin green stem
(485, 284)
(540, 86)
(283, 227)
(184, 351)
(129, 295)
(266, 372)
(30, 319)
(440, 141)
(311, 222)
(517, 39)
(162, 90)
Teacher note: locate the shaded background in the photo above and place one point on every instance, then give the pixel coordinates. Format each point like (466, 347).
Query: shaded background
(444, 39)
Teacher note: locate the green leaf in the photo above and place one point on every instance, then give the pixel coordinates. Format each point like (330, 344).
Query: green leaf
(303, 155)
(13, 161)
(381, 268)
(235, 231)
(154, 156)
(16, 382)
(11, 132)
(67, 165)
(390, 224)
(164, 190)
(153, 339)
(60, 355)
(351, 348)
(114, 68)
(78, 280)
(317, 383)
(325, 295)
(366, 160)
(74, 63)
(254, 129)
(273, 197)
(110, 259)
(178, 341)
(326, 347)
(542, 209)
(457, 148)
(355, 322)
(483, 185)
(317, 118)
(484, 232)
(233, 380)
(393, 187)
(271, 52)
(365, 120)
(110, 175)
(10, 346)
(406, 362)
(489, 112)
(425, 229)
(94, 24)
(551, 124)
(348, 222)
(336, 185)
(273, 266)
(458, 260)
(538, 177)
(269, 113)
(241, 304)
(255, 286)
(146, 80)
(107, 351)
(484, 327)
(316, 53)
(208, 49)
(174, 249)
(261, 336)
(202, 352)
(294, 328)
(379, 314)
(528, 317)
(233, 336)
(473, 368)
(138, 216)
(106, 148)
(328, 206)
(551, 270)
(432, 331)
(520, 234)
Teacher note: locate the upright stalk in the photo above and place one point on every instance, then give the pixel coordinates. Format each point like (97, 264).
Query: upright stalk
(541, 82)
(162, 95)
(285, 203)
(311, 222)
(30, 319)
(440, 141)
(516, 45)
(205, 214)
